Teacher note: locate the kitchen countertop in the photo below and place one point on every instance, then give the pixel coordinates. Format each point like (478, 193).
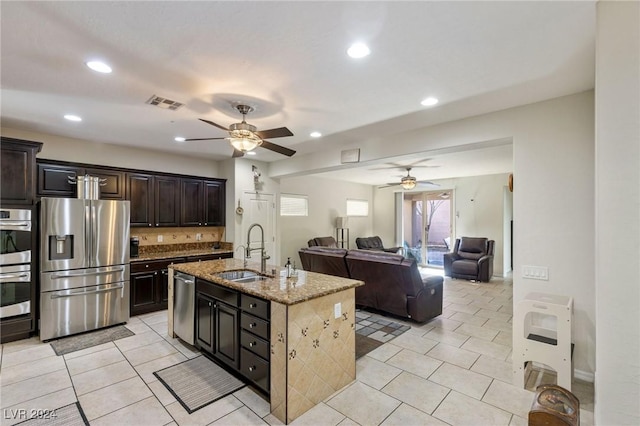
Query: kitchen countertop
(288, 291)
(179, 253)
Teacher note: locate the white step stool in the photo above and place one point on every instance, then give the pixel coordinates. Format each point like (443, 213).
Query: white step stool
(540, 343)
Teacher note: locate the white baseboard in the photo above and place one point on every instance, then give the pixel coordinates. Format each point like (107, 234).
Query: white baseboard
(584, 375)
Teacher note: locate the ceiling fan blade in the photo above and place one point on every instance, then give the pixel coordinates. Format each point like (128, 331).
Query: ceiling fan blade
(214, 124)
(237, 153)
(426, 182)
(280, 132)
(277, 148)
(388, 185)
(202, 139)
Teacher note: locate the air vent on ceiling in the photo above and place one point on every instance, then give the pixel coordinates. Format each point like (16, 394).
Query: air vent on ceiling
(164, 103)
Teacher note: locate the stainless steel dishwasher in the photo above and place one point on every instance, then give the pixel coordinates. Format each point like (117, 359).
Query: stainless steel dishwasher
(184, 295)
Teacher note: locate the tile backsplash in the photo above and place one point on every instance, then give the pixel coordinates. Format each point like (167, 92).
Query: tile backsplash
(182, 235)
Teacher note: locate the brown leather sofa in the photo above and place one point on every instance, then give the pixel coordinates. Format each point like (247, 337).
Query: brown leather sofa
(322, 242)
(374, 243)
(392, 283)
(471, 259)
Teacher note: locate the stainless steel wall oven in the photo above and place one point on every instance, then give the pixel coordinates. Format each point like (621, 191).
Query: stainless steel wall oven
(15, 263)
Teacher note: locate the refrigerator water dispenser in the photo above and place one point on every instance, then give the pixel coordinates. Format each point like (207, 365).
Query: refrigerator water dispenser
(60, 247)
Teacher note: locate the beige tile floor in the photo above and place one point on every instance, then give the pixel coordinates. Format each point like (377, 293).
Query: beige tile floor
(455, 369)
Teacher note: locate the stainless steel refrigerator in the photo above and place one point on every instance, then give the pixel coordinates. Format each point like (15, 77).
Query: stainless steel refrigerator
(84, 265)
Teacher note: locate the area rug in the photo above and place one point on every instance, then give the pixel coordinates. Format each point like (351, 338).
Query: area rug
(69, 415)
(374, 330)
(198, 382)
(86, 340)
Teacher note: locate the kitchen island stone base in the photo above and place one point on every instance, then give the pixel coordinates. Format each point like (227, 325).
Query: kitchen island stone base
(312, 352)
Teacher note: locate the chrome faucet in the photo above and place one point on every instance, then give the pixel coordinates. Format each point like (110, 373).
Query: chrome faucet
(244, 257)
(263, 254)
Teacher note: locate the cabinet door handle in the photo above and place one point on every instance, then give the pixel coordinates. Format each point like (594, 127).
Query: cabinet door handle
(253, 305)
(209, 303)
(252, 344)
(205, 223)
(149, 224)
(199, 223)
(157, 224)
(146, 266)
(155, 273)
(252, 368)
(253, 324)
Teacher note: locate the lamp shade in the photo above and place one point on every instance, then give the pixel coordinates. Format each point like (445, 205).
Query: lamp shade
(342, 222)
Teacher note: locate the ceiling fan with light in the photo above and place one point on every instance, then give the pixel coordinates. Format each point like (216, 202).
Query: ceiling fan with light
(245, 137)
(409, 182)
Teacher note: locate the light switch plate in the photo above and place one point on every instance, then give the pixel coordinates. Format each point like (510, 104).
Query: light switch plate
(160, 238)
(337, 310)
(535, 272)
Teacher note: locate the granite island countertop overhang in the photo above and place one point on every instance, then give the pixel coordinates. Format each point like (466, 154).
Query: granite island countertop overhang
(287, 291)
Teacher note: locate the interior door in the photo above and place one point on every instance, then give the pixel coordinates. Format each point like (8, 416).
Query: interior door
(260, 208)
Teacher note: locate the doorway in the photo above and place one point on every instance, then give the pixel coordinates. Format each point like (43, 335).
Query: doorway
(427, 226)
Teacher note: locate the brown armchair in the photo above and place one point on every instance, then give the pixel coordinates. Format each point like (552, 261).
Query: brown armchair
(322, 242)
(471, 259)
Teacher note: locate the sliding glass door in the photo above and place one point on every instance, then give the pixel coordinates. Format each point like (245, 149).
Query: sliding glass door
(427, 226)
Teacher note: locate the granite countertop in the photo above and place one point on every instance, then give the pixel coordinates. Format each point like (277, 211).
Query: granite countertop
(144, 257)
(288, 291)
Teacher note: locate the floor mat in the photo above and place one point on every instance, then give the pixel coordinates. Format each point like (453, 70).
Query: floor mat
(374, 330)
(82, 341)
(198, 382)
(69, 415)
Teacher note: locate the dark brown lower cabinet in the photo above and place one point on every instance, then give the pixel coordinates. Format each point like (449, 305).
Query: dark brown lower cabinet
(234, 328)
(217, 322)
(149, 283)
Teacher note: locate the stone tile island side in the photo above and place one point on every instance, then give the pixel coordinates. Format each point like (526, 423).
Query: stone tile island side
(312, 346)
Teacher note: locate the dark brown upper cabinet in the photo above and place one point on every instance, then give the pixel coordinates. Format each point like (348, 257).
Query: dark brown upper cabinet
(18, 171)
(167, 201)
(55, 180)
(141, 196)
(155, 199)
(203, 202)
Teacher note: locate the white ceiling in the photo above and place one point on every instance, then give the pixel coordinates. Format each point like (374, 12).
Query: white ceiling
(287, 59)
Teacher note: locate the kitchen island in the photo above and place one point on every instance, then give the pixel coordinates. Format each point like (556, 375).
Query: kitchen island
(295, 336)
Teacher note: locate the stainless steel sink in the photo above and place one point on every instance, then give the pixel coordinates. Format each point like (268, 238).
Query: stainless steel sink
(238, 275)
(250, 279)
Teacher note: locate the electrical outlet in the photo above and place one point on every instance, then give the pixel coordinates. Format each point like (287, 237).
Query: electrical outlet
(337, 310)
(198, 237)
(160, 238)
(535, 272)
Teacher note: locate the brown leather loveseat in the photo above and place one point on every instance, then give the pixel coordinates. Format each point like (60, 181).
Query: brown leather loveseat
(322, 242)
(392, 283)
(374, 243)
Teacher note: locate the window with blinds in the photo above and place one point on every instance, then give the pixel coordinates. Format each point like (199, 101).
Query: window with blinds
(357, 208)
(294, 205)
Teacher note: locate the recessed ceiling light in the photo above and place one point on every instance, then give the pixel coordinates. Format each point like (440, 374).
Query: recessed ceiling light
(72, 117)
(99, 66)
(358, 50)
(179, 139)
(430, 101)
(250, 153)
(315, 134)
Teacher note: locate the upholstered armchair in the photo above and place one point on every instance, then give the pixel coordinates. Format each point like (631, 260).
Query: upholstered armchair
(322, 242)
(374, 243)
(471, 259)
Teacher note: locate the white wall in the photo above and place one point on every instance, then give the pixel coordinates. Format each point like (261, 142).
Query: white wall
(80, 151)
(617, 385)
(478, 205)
(327, 200)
